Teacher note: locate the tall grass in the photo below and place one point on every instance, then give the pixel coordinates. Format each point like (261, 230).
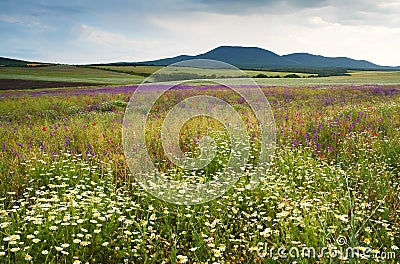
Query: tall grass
(67, 195)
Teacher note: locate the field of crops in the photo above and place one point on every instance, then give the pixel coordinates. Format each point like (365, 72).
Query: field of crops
(128, 75)
(148, 70)
(67, 195)
(64, 73)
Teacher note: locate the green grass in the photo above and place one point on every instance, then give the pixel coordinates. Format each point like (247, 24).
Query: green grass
(68, 74)
(124, 75)
(392, 75)
(380, 78)
(253, 73)
(67, 194)
(151, 69)
(140, 70)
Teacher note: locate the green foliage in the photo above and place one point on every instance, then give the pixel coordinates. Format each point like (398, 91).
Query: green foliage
(12, 63)
(321, 72)
(62, 73)
(291, 76)
(66, 194)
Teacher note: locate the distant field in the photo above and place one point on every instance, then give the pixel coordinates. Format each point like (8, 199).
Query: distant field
(148, 70)
(126, 75)
(12, 84)
(68, 74)
(141, 70)
(390, 75)
(357, 77)
(253, 73)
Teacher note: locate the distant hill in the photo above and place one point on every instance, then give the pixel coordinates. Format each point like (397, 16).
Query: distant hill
(17, 63)
(238, 56)
(253, 58)
(249, 58)
(318, 61)
(12, 62)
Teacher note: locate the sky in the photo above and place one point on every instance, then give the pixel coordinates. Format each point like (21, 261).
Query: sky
(83, 31)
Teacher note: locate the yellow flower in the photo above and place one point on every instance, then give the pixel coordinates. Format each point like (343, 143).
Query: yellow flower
(251, 249)
(58, 248)
(15, 237)
(85, 243)
(367, 240)
(217, 253)
(182, 259)
(153, 217)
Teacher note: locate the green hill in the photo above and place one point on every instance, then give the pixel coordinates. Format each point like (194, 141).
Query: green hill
(258, 58)
(18, 63)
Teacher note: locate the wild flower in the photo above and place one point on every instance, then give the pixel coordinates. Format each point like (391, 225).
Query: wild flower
(15, 249)
(79, 199)
(182, 258)
(85, 243)
(152, 217)
(217, 253)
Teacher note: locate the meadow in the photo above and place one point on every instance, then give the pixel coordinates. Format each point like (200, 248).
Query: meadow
(67, 195)
(128, 75)
(66, 73)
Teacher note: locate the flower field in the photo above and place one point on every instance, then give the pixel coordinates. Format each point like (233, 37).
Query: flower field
(67, 196)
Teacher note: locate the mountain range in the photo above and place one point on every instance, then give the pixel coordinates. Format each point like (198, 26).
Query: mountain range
(258, 58)
(250, 58)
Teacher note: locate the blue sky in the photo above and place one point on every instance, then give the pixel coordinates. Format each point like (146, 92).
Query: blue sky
(81, 31)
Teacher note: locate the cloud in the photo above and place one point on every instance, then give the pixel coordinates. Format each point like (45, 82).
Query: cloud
(257, 6)
(26, 53)
(364, 12)
(306, 31)
(82, 31)
(355, 12)
(102, 37)
(65, 9)
(120, 46)
(25, 21)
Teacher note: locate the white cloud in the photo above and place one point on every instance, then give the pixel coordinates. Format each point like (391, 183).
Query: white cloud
(80, 32)
(118, 47)
(305, 31)
(101, 37)
(25, 20)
